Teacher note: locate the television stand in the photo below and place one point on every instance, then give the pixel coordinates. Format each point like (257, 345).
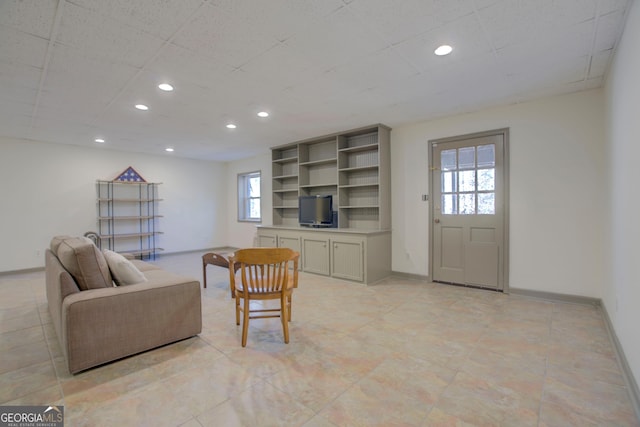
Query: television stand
(345, 253)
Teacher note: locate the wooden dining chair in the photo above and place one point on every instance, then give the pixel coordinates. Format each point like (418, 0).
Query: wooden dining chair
(265, 274)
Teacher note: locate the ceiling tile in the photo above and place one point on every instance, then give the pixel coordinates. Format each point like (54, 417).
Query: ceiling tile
(280, 19)
(16, 108)
(378, 68)
(399, 20)
(160, 18)
(225, 36)
(599, 63)
(335, 40)
(29, 16)
(99, 37)
(19, 75)
(608, 30)
(280, 67)
(607, 6)
(465, 35)
(78, 82)
(180, 65)
(22, 48)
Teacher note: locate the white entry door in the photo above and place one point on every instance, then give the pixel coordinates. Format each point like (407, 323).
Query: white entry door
(468, 210)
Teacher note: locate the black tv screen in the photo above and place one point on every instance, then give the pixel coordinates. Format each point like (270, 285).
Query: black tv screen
(315, 211)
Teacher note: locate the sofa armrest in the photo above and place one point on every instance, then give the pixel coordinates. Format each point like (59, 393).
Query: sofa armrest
(101, 325)
(59, 284)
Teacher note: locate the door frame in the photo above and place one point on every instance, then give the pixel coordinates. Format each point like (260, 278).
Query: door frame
(505, 135)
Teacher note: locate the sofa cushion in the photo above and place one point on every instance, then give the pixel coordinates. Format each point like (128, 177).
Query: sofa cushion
(124, 272)
(55, 242)
(84, 261)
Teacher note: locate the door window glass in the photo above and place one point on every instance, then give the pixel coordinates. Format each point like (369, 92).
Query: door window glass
(448, 160)
(486, 180)
(467, 204)
(486, 203)
(468, 180)
(448, 182)
(467, 158)
(449, 204)
(486, 156)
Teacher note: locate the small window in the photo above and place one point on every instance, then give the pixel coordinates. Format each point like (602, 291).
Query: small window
(249, 197)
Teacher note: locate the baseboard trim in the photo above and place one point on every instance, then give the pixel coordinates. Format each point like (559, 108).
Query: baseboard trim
(632, 385)
(410, 276)
(552, 296)
(202, 251)
(23, 271)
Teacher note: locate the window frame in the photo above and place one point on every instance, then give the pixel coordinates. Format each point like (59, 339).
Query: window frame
(244, 198)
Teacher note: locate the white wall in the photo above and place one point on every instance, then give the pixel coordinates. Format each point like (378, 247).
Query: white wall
(49, 189)
(622, 280)
(241, 234)
(556, 178)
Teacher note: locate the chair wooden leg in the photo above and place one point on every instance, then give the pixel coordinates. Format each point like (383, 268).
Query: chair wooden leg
(237, 310)
(290, 305)
(204, 274)
(245, 322)
(284, 316)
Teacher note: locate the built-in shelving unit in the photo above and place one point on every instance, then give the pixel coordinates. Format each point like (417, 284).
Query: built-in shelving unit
(128, 217)
(352, 166)
(355, 168)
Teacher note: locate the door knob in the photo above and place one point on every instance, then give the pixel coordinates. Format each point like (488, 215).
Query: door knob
(437, 220)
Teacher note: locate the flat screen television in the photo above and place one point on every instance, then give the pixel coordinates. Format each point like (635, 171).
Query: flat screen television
(315, 211)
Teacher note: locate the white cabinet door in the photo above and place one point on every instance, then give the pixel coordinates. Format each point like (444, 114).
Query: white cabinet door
(292, 242)
(347, 259)
(315, 255)
(267, 240)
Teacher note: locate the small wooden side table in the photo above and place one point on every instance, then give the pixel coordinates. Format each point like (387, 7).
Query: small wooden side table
(215, 259)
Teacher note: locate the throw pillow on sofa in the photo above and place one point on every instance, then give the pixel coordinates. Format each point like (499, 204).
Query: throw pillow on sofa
(84, 261)
(123, 270)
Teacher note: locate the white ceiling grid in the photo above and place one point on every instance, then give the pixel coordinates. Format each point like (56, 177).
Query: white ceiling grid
(318, 66)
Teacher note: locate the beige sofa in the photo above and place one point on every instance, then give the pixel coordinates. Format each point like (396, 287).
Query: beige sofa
(98, 322)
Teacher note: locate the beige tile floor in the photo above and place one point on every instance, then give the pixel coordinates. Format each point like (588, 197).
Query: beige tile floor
(398, 353)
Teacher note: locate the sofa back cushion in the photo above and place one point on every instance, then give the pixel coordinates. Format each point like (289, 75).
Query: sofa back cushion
(84, 261)
(55, 242)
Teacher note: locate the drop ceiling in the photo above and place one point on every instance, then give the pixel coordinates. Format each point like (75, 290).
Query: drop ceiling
(71, 71)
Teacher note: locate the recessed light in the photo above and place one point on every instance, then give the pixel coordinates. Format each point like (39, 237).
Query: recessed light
(99, 140)
(165, 87)
(231, 126)
(263, 114)
(142, 107)
(169, 149)
(445, 49)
